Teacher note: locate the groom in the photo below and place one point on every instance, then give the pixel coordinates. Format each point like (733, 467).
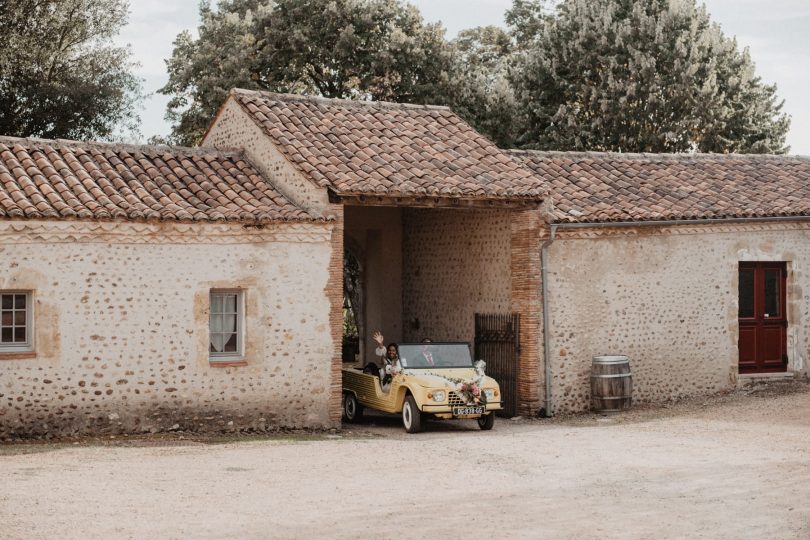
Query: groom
(426, 356)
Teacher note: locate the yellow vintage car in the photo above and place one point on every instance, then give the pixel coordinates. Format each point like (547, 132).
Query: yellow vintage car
(436, 380)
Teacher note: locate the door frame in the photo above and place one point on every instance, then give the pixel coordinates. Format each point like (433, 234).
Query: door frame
(760, 324)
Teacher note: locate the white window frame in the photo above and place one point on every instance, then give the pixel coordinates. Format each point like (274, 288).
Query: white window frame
(214, 357)
(28, 346)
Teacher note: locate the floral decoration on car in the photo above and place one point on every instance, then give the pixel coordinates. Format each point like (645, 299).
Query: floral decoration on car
(469, 391)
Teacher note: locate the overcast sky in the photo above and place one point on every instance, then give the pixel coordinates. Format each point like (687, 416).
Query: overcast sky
(776, 31)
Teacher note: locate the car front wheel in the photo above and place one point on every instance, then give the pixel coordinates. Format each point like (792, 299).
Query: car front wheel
(352, 410)
(487, 421)
(411, 416)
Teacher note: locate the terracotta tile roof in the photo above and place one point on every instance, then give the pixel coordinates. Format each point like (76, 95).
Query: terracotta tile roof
(598, 187)
(42, 179)
(391, 149)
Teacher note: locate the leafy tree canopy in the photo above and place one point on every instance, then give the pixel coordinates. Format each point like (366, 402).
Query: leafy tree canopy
(640, 76)
(620, 75)
(526, 17)
(479, 89)
(358, 49)
(60, 75)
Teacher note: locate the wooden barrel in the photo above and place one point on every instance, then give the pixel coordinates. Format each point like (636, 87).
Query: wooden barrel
(611, 384)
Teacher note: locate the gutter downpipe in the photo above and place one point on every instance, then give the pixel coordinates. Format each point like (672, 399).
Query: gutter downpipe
(547, 319)
(620, 224)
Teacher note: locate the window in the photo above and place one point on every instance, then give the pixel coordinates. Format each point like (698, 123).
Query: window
(225, 325)
(15, 321)
(746, 305)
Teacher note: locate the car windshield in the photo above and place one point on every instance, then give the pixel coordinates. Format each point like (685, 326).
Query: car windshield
(435, 355)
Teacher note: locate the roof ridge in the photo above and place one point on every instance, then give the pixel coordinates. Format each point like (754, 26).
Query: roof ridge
(639, 156)
(148, 149)
(338, 101)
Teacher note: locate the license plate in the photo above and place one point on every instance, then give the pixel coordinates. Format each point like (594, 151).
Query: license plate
(466, 411)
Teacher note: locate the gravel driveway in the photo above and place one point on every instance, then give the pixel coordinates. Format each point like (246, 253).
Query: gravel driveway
(737, 466)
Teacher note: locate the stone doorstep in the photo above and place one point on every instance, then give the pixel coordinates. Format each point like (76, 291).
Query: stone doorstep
(745, 379)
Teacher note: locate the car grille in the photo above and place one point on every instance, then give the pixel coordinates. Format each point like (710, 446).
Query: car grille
(454, 399)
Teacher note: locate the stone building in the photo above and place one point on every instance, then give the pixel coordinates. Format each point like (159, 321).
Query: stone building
(116, 262)
(149, 287)
(694, 266)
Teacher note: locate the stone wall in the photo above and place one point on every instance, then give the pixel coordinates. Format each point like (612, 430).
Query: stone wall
(667, 298)
(121, 327)
(234, 128)
(455, 263)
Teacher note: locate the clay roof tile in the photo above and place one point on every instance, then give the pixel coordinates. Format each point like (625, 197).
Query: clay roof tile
(600, 187)
(41, 179)
(356, 147)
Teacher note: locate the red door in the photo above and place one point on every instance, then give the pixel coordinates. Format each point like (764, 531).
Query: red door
(763, 323)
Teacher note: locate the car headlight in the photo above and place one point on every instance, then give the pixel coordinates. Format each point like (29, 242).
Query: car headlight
(490, 393)
(436, 395)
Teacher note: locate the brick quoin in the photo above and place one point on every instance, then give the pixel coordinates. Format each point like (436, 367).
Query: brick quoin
(526, 227)
(334, 291)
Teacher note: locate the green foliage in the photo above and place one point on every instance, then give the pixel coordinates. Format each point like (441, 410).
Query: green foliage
(526, 18)
(356, 49)
(60, 75)
(352, 286)
(620, 75)
(480, 91)
(642, 76)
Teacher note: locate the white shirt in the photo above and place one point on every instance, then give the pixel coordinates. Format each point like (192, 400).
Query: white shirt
(389, 367)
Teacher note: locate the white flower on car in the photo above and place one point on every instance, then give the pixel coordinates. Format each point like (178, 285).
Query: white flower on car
(392, 369)
(479, 372)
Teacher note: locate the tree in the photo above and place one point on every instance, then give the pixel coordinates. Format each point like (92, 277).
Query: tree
(479, 87)
(60, 75)
(525, 19)
(356, 49)
(642, 76)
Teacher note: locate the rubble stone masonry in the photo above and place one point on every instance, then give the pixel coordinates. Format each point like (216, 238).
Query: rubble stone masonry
(455, 263)
(461, 262)
(667, 297)
(121, 327)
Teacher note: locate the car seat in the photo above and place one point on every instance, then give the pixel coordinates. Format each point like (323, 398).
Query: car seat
(372, 369)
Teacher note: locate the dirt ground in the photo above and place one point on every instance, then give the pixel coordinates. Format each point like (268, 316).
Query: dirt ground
(735, 466)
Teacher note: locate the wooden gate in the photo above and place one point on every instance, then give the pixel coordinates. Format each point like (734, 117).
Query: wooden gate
(497, 342)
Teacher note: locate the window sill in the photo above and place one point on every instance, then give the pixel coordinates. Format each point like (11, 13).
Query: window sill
(17, 355)
(227, 363)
